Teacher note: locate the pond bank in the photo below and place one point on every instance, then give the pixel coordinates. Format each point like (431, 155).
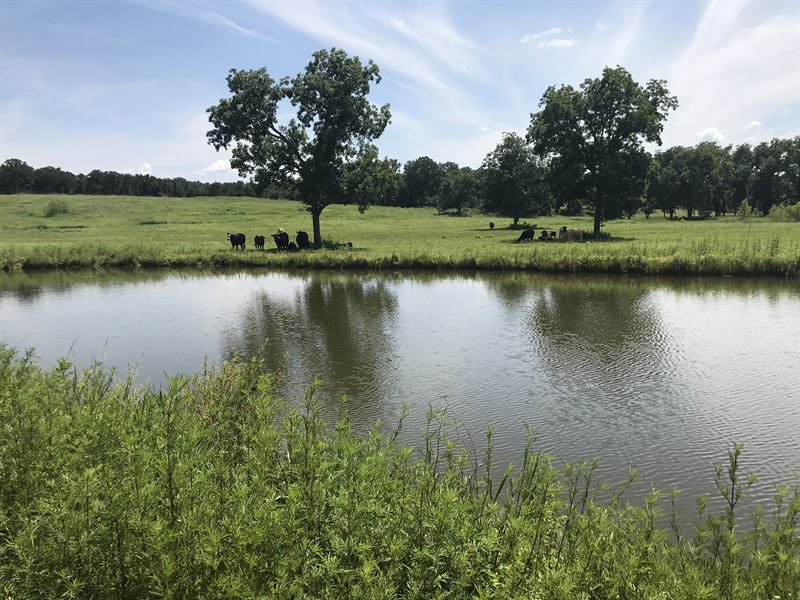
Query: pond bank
(589, 257)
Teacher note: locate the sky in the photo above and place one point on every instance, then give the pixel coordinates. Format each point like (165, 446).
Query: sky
(124, 85)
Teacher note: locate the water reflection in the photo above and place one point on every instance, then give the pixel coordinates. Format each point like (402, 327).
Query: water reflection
(663, 373)
(336, 327)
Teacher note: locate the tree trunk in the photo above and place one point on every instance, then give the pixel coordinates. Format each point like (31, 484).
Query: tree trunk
(315, 212)
(598, 216)
(598, 209)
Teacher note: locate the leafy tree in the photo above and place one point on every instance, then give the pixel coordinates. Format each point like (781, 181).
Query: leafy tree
(334, 121)
(776, 174)
(15, 176)
(596, 130)
(459, 188)
(421, 179)
(626, 185)
(369, 179)
(514, 182)
(741, 171)
(664, 191)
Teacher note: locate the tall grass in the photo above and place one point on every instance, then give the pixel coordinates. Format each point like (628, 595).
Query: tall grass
(215, 489)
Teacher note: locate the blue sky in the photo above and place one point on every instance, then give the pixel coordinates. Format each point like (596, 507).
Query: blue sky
(124, 85)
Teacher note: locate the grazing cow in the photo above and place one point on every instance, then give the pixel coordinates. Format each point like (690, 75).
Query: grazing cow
(281, 239)
(491, 224)
(570, 234)
(292, 247)
(545, 235)
(302, 240)
(236, 240)
(525, 236)
(259, 241)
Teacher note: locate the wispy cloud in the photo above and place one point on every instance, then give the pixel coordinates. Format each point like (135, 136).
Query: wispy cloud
(558, 43)
(526, 39)
(193, 10)
(419, 44)
(739, 67)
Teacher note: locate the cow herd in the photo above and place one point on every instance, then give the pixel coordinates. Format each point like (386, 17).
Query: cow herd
(302, 242)
(281, 238)
(563, 234)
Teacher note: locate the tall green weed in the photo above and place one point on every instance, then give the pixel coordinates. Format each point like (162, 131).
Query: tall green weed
(212, 488)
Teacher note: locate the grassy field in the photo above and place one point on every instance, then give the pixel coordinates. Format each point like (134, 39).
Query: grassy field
(107, 231)
(215, 489)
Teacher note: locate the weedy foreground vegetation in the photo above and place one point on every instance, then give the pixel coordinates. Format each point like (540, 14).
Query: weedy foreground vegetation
(126, 231)
(215, 489)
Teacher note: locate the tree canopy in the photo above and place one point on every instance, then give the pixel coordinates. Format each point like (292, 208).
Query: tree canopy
(597, 132)
(514, 180)
(334, 123)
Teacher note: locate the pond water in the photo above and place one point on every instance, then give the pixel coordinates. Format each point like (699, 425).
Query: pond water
(662, 374)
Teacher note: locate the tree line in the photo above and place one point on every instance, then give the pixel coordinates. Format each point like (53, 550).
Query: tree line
(16, 176)
(702, 180)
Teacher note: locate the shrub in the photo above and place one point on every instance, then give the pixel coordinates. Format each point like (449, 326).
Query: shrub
(56, 207)
(214, 489)
(785, 213)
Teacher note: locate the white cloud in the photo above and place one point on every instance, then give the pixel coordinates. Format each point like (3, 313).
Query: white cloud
(738, 62)
(752, 125)
(558, 43)
(145, 169)
(542, 34)
(601, 26)
(218, 166)
(711, 134)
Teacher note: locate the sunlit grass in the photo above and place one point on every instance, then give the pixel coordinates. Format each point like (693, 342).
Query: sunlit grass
(119, 231)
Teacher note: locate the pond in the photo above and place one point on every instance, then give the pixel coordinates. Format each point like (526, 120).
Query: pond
(659, 373)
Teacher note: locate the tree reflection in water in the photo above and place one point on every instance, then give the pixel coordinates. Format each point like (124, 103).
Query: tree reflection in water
(336, 327)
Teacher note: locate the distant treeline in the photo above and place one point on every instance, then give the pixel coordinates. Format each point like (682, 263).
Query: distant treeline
(702, 180)
(16, 176)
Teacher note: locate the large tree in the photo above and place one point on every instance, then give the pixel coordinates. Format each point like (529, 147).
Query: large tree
(421, 179)
(334, 122)
(598, 130)
(514, 180)
(458, 189)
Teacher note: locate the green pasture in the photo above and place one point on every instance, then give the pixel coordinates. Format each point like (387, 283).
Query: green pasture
(106, 231)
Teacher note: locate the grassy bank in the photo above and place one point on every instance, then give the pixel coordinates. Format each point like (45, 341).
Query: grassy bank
(119, 231)
(214, 489)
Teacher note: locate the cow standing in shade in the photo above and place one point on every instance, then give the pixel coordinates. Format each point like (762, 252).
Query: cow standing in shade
(237, 240)
(281, 240)
(302, 240)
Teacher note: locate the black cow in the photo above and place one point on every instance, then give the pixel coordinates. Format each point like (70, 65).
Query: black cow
(281, 240)
(236, 240)
(545, 235)
(259, 242)
(491, 224)
(525, 236)
(302, 240)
